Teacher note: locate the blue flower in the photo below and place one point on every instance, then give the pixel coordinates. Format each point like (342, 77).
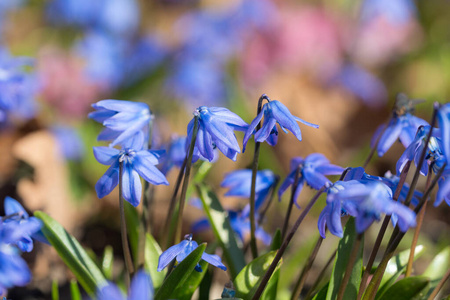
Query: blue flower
(312, 171)
(239, 183)
(443, 192)
(216, 130)
(274, 112)
(443, 117)
(403, 126)
(364, 200)
(141, 289)
(28, 227)
(399, 11)
(123, 120)
(434, 155)
(135, 163)
(175, 154)
(69, 141)
(182, 250)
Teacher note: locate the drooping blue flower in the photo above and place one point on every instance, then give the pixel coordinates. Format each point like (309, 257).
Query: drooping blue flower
(69, 141)
(175, 154)
(141, 289)
(123, 120)
(312, 172)
(364, 200)
(240, 224)
(239, 184)
(28, 227)
(216, 130)
(443, 117)
(434, 155)
(443, 192)
(182, 250)
(274, 112)
(136, 162)
(403, 126)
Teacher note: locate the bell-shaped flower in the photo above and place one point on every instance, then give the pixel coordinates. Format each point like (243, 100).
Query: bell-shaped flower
(216, 127)
(182, 250)
(364, 200)
(403, 126)
(27, 227)
(312, 171)
(122, 119)
(274, 112)
(239, 184)
(434, 155)
(443, 117)
(141, 289)
(136, 162)
(175, 154)
(443, 192)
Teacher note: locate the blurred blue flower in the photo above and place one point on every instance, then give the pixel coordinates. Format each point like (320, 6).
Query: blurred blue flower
(28, 227)
(392, 182)
(216, 130)
(141, 289)
(364, 200)
(69, 141)
(399, 11)
(443, 117)
(274, 112)
(434, 155)
(182, 250)
(18, 87)
(443, 192)
(239, 184)
(175, 154)
(312, 172)
(123, 120)
(136, 162)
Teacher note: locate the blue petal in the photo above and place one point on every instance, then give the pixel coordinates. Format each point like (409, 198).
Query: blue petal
(214, 260)
(222, 132)
(286, 183)
(443, 191)
(322, 221)
(15, 271)
(148, 171)
(389, 136)
(230, 118)
(191, 246)
(329, 169)
(169, 255)
(106, 155)
(110, 292)
(265, 130)
(141, 287)
(334, 220)
(121, 105)
(108, 181)
(132, 188)
(251, 128)
(101, 114)
(363, 222)
(306, 123)
(200, 225)
(406, 217)
(285, 118)
(444, 124)
(315, 179)
(12, 206)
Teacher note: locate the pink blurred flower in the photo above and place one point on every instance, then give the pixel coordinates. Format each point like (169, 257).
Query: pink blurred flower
(65, 85)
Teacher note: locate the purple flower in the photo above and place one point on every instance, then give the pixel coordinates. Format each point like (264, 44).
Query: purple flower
(274, 112)
(182, 250)
(364, 200)
(312, 172)
(175, 154)
(136, 162)
(124, 121)
(216, 130)
(141, 289)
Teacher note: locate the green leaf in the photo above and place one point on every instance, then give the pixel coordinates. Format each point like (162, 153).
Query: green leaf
(152, 254)
(188, 288)
(276, 240)
(74, 256)
(107, 262)
(395, 267)
(179, 274)
(250, 277)
(223, 232)
(322, 294)
(132, 219)
(55, 292)
(406, 288)
(437, 269)
(270, 293)
(74, 290)
(341, 261)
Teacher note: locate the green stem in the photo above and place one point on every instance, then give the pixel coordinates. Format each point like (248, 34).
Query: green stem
(350, 266)
(123, 230)
(190, 154)
(285, 244)
(291, 204)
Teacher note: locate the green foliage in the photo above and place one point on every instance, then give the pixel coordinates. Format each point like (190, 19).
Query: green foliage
(152, 254)
(185, 291)
(74, 290)
(55, 291)
(436, 270)
(406, 288)
(276, 240)
(73, 255)
(107, 262)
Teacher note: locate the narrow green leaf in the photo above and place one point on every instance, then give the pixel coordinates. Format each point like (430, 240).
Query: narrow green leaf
(73, 255)
(74, 290)
(276, 240)
(107, 262)
(270, 293)
(188, 288)
(406, 288)
(55, 292)
(223, 232)
(437, 269)
(250, 277)
(179, 274)
(322, 294)
(132, 219)
(205, 285)
(152, 254)
(341, 261)
(395, 267)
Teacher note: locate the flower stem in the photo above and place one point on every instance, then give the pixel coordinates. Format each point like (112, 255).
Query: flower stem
(350, 266)
(291, 204)
(123, 231)
(187, 173)
(286, 242)
(253, 246)
(439, 286)
(321, 274)
(304, 274)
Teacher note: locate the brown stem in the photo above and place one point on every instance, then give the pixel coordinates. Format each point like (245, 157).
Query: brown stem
(439, 286)
(321, 275)
(291, 204)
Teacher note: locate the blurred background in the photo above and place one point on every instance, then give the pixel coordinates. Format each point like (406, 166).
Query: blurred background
(337, 63)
